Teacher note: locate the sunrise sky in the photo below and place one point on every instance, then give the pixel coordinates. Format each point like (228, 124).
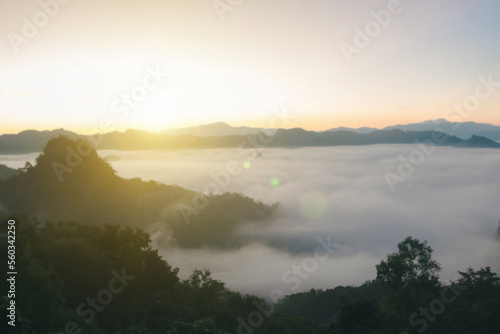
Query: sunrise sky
(239, 65)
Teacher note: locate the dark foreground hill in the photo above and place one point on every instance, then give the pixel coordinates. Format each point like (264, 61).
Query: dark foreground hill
(82, 275)
(71, 182)
(6, 172)
(82, 278)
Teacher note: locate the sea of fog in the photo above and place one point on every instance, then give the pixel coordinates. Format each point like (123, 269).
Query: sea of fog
(449, 197)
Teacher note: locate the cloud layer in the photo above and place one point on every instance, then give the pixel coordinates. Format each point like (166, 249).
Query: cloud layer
(451, 201)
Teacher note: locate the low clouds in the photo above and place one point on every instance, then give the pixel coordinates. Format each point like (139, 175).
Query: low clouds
(451, 201)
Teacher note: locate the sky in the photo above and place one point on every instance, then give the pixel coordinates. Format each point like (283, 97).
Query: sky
(94, 66)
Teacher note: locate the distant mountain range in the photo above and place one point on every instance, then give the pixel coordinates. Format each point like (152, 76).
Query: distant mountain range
(363, 130)
(35, 141)
(464, 130)
(30, 140)
(213, 130)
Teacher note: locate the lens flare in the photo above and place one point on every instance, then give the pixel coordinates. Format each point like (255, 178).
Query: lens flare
(312, 205)
(274, 181)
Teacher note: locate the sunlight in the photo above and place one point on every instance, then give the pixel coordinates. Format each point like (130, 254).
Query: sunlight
(183, 94)
(194, 94)
(231, 166)
(157, 113)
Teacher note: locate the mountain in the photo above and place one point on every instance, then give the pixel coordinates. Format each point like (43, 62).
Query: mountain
(480, 142)
(214, 129)
(298, 137)
(6, 172)
(363, 130)
(463, 130)
(71, 182)
(33, 141)
(30, 140)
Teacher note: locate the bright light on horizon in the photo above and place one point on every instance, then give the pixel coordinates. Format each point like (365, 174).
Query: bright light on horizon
(234, 71)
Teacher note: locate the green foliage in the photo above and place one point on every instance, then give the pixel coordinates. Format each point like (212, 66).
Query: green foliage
(6, 172)
(74, 254)
(477, 308)
(394, 304)
(92, 193)
(411, 265)
(359, 317)
(214, 225)
(321, 306)
(65, 263)
(62, 264)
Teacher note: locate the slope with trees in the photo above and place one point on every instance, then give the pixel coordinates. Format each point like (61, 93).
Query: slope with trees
(88, 190)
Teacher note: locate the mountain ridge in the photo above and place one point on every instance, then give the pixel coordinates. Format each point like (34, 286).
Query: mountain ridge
(463, 130)
(73, 183)
(213, 129)
(34, 141)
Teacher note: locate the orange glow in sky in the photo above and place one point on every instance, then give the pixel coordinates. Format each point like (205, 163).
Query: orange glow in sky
(156, 65)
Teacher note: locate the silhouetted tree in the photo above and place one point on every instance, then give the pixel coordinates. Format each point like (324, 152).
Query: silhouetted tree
(412, 264)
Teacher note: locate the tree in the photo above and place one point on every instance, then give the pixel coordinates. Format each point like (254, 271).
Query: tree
(412, 264)
(409, 277)
(358, 317)
(26, 168)
(476, 305)
(482, 276)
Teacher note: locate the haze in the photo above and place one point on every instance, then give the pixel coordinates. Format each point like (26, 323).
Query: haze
(451, 201)
(237, 67)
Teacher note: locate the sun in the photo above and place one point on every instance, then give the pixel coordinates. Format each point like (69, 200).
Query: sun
(160, 111)
(188, 93)
(192, 95)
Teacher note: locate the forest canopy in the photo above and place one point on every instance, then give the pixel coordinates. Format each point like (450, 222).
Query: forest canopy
(108, 279)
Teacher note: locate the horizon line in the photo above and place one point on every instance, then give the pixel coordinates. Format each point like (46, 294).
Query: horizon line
(232, 126)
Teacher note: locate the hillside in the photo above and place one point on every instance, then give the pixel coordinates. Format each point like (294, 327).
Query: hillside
(87, 190)
(67, 265)
(6, 172)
